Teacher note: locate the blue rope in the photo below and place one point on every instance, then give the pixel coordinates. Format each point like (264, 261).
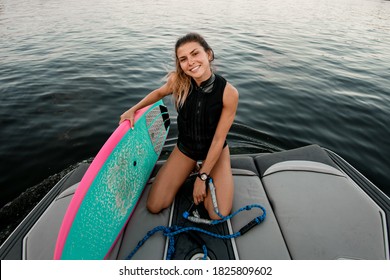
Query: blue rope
(171, 232)
(204, 247)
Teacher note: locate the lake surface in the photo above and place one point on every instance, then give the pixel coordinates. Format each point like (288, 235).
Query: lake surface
(308, 71)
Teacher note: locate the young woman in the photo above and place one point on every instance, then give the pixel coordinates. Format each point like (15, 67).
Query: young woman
(206, 106)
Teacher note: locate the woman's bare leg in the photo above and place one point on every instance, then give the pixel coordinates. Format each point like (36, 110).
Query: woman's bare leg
(224, 186)
(168, 180)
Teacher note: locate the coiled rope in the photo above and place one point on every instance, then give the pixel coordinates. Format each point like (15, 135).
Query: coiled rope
(172, 231)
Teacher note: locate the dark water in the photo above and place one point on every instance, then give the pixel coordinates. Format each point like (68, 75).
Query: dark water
(308, 71)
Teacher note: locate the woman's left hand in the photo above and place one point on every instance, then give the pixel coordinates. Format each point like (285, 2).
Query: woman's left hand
(199, 193)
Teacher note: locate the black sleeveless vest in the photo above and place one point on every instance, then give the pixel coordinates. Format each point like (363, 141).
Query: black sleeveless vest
(198, 117)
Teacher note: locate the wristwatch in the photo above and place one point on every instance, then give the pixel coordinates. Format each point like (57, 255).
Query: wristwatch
(203, 176)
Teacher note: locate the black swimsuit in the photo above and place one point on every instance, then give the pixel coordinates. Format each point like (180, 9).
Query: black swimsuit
(198, 117)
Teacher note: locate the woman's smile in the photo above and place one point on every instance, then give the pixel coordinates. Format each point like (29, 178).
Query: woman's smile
(194, 69)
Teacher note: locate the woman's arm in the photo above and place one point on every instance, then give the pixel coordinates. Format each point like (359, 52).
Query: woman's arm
(230, 103)
(149, 99)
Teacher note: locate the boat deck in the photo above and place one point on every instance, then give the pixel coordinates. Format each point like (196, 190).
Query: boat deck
(315, 211)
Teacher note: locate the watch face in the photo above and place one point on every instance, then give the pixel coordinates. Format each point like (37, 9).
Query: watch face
(203, 176)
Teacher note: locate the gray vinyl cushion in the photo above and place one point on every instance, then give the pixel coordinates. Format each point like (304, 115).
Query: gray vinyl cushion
(39, 243)
(323, 214)
(264, 241)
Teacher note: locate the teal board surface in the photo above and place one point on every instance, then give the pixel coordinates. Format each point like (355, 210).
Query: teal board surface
(115, 191)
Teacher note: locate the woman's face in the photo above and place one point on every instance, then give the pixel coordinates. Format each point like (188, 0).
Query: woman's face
(194, 61)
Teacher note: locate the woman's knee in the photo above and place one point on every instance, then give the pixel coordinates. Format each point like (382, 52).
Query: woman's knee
(156, 207)
(158, 199)
(153, 208)
(214, 216)
(223, 211)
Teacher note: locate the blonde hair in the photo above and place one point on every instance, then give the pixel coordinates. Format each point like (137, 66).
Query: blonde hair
(181, 82)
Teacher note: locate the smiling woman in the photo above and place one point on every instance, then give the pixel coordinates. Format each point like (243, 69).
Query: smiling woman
(69, 67)
(199, 52)
(206, 106)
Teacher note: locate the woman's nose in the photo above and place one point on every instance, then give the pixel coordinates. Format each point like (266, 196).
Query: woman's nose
(190, 61)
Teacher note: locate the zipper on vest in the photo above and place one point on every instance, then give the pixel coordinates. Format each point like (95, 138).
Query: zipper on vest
(198, 117)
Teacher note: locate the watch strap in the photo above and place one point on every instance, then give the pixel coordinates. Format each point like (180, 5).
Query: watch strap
(203, 176)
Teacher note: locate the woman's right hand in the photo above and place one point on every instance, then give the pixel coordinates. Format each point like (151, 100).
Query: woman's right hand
(151, 98)
(128, 115)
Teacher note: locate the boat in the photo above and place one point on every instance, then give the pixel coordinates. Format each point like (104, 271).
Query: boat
(316, 205)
